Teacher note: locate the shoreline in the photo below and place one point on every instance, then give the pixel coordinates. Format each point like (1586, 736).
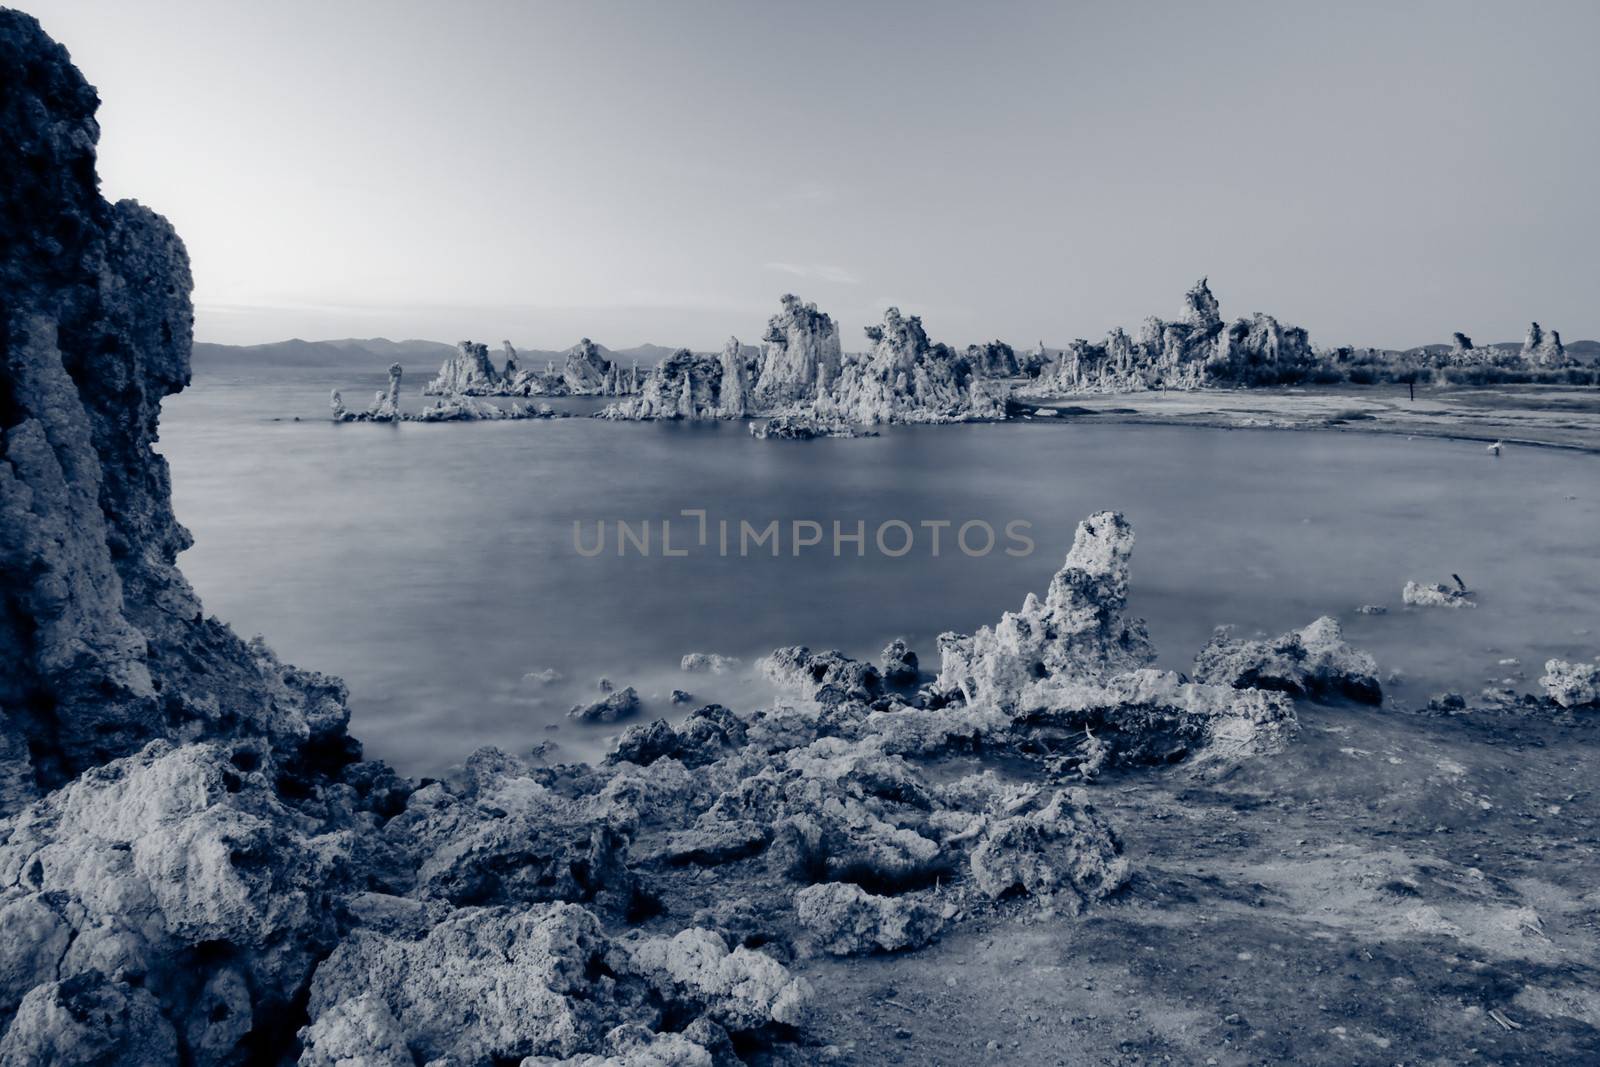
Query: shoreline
(1574, 429)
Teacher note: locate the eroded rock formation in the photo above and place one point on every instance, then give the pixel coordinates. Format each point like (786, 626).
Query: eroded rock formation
(799, 356)
(1196, 349)
(907, 378)
(466, 373)
(1543, 348)
(586, 371)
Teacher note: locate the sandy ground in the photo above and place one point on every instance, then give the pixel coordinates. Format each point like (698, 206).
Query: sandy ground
(1376, 895)
(1556, 416)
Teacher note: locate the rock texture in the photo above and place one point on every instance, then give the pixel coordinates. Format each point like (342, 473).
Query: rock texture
(106, 645)
(1543, 348)
(799, 356)
(1314, 661)
(1572, 685)
(1195, 350)
(466, 373)
(685, 385)
(1074, 666)
(586, 372)
(455, 407)
(1437, 595)
(907, 378)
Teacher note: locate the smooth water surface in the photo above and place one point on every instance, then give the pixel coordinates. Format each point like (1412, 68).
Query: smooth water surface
(433, 566)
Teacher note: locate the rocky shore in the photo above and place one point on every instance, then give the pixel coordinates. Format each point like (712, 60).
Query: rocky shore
(197, 865)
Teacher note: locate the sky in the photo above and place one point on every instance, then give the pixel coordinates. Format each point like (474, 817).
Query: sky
(1380, 173)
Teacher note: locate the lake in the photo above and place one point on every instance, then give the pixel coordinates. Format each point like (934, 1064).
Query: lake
(433, 567)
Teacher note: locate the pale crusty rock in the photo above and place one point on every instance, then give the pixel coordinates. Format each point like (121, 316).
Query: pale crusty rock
(708, 663)
(682, 386)
(88, 1020)
(359, 1032)
(385, 406)
(804, 427)
(632, 1045)
(906, 378)
(1077, 632)
(1436, 595)
(797, 669)
(993, 359)
(734, 399)
(1150, 716)
(466, 373)
(845, 920)
(585, 370)
(739, 990)
(152, 856)
(1314, 661)
(799, 356)
(1572, 685)
(1063, 849)
(1543, 348)
(1195, 350)
(614, 707)
(486, 984)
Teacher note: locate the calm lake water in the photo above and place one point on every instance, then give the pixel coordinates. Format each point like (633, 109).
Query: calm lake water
(433, 566)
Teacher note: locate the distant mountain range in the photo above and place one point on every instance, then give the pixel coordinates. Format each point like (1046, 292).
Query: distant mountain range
(379, 352)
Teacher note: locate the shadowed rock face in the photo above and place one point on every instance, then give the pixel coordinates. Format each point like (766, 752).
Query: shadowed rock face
(106, 645)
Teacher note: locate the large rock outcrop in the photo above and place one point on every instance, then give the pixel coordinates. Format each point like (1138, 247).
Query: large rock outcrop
(1075, 669)
(907, 378)
(1543, 348)
(106, 645)
(1196, 349)
(685, 385)
(799, 356)
(468, 372)
(586, 371)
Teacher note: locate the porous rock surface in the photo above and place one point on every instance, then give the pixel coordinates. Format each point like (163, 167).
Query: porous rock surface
(1436, 595)
(1314, 661)
(1572, 685)
(1196, 349)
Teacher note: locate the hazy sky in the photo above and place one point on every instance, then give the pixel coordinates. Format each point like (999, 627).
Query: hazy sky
(1379, 173)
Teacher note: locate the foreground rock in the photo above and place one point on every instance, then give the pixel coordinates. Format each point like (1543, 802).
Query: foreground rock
(1076, 668)
(1572, 685)
(1314, 662)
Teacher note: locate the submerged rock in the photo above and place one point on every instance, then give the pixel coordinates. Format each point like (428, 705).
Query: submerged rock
(707, 663)
(805, 428)
(1314, 661)
(898, 664)
(1572, 685)
(622, 704)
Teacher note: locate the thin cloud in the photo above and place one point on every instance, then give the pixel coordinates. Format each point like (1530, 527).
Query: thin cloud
(825, 272)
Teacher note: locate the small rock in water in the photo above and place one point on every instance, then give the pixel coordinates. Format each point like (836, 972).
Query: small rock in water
(680, 697)
(707, 663)
(617, 706)
(1372, 609)
(1436, 595)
